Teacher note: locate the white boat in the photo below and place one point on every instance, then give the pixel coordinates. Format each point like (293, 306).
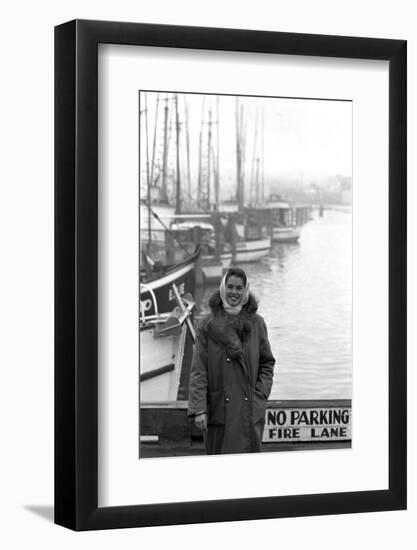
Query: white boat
(252, 251)
(212, 268)
(284, 227)
(251, 242)
(225, 260)
(285, 234)
(162, 339)
(161, 357)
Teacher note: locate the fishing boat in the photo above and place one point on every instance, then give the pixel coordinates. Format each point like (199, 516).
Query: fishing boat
(284, 226)
(165, 234)
(245, 230)
(248, 238)
(252, 251)
(286, 234)
(157, 279)
(283, 219)
(216, 255)
(248, 241)
(163, 338)
(164, 261)
(247, 233)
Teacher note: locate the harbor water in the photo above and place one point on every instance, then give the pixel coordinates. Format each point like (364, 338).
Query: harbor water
(304, 291)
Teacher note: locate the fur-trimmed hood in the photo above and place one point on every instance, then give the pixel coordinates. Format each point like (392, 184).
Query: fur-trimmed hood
(230, 331)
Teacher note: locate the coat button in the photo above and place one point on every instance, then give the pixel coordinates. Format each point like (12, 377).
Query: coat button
(246, 398)
(227, 400)
(227, 359)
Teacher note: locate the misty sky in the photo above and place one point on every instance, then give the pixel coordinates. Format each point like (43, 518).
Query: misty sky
(304, 140)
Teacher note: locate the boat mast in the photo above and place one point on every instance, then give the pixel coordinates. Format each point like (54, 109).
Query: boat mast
(257, 200)
(217, 180)
(165, 154)
(187, 126)
(254, 184)
(209, 155)
(239, 156)
(200, 154)
(178, 188)
(148, 183)
(154, 139)
(244, 131)
(263, 156)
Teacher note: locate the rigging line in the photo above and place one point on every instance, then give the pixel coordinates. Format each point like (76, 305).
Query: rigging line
(155, 215)
(189, 196)
(154, 139)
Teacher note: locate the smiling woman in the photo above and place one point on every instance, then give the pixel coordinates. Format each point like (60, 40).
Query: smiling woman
(232, 370)
(234, 290)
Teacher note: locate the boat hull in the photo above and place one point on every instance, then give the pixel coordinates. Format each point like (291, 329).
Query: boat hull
(252, 251)
(184, 278)
(212, 270)
(285, 234)
(226, 260)
(160, 359)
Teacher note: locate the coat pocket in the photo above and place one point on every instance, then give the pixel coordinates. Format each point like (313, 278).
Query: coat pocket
(259, 406)
(216, 408)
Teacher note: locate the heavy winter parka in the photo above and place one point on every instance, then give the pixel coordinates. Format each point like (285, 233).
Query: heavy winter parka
(231, 377)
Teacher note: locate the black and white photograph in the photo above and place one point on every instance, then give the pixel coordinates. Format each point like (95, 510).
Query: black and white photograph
(208, 234)
(245, 235)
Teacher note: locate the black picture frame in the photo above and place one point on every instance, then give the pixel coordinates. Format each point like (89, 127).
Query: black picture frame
(76, 272)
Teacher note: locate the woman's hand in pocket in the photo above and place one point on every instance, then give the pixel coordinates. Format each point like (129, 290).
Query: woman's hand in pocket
(201, 421)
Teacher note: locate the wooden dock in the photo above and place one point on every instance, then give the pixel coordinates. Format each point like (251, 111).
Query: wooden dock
(290, 425)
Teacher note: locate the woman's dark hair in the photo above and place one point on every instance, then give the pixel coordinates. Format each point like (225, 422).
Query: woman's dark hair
(237, 272)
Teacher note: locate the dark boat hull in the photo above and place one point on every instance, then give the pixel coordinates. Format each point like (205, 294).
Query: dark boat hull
(183, 275)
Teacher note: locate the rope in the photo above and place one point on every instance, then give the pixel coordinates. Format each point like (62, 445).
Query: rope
(155, 215)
